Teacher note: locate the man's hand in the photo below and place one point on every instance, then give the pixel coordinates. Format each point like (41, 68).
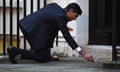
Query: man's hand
(88, 57)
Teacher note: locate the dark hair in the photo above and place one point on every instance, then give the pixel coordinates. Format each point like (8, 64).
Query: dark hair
(76, 8)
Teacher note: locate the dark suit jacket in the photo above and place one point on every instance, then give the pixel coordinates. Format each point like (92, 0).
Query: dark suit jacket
(49, 21)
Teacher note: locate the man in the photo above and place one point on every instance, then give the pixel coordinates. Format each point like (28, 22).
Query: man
(40, 29)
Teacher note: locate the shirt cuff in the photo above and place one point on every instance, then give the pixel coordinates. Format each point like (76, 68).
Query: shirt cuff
(78, 49)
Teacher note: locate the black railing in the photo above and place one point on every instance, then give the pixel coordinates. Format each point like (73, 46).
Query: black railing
(4, 26)
(18, 17)
(114, 30)
(24, 16)
(9, 37)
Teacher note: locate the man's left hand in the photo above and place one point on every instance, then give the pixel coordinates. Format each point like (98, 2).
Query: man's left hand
(89, 57)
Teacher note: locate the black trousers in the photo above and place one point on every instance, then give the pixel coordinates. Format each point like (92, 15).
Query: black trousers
(40, 51)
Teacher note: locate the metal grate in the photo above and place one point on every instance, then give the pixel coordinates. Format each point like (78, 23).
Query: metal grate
(7, 37)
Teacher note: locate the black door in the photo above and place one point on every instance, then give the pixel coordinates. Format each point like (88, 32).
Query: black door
(100, 22)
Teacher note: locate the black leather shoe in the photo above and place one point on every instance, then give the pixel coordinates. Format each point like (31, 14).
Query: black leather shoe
(13, 54)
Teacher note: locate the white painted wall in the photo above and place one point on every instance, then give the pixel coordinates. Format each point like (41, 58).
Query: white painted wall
(83, 23)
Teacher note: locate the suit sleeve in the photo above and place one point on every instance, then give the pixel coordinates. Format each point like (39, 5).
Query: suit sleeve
(63, 28)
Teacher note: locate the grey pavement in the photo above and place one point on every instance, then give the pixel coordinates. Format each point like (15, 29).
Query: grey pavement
(71, 64)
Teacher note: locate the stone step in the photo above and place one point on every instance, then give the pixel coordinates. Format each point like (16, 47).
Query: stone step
(112, 64)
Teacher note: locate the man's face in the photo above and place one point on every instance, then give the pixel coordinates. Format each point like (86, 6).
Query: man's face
(72, 15)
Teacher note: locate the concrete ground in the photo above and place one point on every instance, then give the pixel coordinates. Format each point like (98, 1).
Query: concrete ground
(66, 64)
